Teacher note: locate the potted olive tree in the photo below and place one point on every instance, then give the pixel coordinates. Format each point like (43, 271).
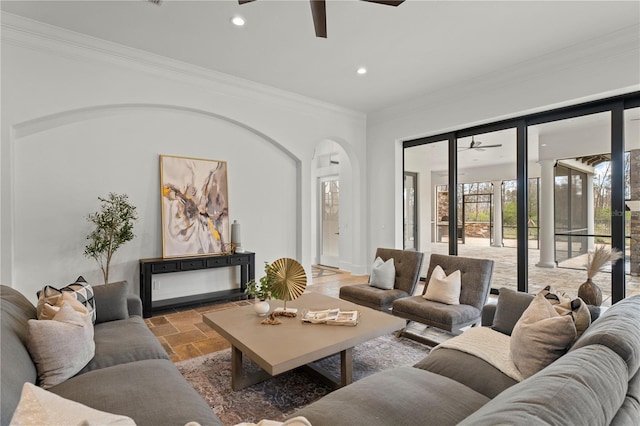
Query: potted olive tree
(113, 226)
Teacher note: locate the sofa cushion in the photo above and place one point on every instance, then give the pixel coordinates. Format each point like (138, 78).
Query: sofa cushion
(62, 346)
(16, 311)
(40, 407)
(629, 412)
(509, 308)
(133, 334)
(383, 274)
(443, 288)
(613, 330)
(467, 369)
(114, 390)
(367, 295)
(441, 315)
(400, 396)
(540, 337)
(111, 301)
(585, 387)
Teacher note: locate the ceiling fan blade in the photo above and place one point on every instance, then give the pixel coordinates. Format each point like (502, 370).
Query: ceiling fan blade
(492, 146)
(387, 2)
(319, 12)
(245, 1)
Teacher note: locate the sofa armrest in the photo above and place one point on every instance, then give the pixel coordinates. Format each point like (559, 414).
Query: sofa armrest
(488, 313)
(134, 305)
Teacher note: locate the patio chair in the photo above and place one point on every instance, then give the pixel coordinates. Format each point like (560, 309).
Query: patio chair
(475, 279)
(408, 264)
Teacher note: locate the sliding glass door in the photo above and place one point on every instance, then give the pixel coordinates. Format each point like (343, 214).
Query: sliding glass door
(538, 192)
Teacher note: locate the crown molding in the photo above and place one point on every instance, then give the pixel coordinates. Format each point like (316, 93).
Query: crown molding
(35, 35)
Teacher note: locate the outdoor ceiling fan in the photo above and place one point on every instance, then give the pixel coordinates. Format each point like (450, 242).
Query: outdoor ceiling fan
(319, 12)
(478, 146)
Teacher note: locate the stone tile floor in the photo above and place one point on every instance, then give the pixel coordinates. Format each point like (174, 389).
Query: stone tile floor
(563, 279)
(184, 336)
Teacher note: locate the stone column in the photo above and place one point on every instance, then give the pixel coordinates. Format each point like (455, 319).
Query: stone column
(497, 213)
(547, 214)
(634, 158)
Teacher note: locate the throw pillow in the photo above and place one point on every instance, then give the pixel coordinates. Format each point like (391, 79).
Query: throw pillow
(40, 407)
(52, 306)
(443, 288)
(579, 311)
(509, 308)
(555, 297)
(80, 289)
(563, 304)
(540, 337)
(383, 274)
(61, 347)
(111, 301)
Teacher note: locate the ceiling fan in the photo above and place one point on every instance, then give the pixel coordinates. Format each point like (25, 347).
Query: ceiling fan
(319, 12)
(478, 146)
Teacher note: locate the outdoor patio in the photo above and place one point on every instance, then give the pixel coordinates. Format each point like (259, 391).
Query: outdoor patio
(505, 270)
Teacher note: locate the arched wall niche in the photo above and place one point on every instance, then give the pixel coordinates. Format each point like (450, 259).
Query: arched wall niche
(62, 162)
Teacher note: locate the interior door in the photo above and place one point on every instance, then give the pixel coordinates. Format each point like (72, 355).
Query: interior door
(330, 221)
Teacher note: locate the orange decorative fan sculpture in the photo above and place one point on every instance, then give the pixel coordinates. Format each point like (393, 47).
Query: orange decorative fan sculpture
(288, 281)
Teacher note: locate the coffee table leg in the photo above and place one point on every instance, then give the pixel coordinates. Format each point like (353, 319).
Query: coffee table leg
(236, 368)
(346, 367)
(240, 380)
(329, 377)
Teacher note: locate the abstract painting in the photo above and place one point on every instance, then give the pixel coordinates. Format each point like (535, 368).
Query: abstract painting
(195, 213)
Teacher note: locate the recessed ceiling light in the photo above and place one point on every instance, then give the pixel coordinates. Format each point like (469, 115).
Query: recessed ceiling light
(544, 144)
(362, 70)
(238, 21)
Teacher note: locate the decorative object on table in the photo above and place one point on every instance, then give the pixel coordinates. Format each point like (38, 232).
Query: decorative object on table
(235, 236)
(332, 317)
(589, 291)
(113, 227)
(228, 248)
(262, 291)
(261, 307)
(288, 281)
(195, 211)
(271, 320)
(280, 312)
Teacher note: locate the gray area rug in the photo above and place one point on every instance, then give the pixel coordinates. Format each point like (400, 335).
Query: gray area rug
(280, 396)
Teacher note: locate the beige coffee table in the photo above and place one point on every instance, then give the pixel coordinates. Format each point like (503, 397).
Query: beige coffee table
(280, 348)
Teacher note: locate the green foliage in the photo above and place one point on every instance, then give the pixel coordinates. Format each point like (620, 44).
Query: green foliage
(263, 290)
(510, 214)
(113, 227)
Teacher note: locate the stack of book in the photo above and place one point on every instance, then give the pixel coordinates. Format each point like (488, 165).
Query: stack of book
(331, 316)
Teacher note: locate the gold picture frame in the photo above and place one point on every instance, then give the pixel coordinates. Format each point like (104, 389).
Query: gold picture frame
(194, 204)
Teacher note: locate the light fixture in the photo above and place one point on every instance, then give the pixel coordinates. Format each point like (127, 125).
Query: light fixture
(238, 21)
(361, 71)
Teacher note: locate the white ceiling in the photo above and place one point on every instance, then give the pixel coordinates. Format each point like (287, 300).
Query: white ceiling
(410, 50)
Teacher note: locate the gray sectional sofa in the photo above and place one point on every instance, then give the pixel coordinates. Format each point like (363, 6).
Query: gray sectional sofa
(130, 374)
(597, 382)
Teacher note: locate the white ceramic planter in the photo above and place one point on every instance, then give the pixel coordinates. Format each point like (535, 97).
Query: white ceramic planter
(261, 307)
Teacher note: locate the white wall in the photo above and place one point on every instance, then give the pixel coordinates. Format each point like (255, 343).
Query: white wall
(592, 70)
(82, 117)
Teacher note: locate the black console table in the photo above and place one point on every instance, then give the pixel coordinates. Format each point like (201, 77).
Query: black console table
(150, 267)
